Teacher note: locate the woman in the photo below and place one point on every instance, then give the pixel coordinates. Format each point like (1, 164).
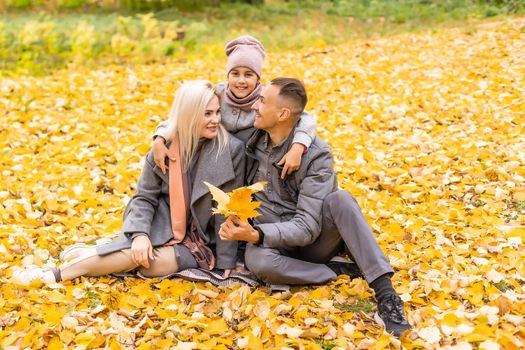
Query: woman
(242, 88)
(168, 224)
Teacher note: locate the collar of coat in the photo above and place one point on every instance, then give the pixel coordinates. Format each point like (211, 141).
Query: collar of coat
(252, 162)
(215, 168)
(262, 136)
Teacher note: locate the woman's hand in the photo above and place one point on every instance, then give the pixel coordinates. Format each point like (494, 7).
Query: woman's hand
(142, 251)
(292, 160)
(239, 269)
(160, 152)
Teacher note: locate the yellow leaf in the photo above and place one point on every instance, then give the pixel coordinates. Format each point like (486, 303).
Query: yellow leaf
(114, 345)
(217, 327)
(382, 342)
(238, 202)
(480, 333)
(85, 338)
(219, 196)
(241, 204)
(55, 344)
(255, 343)
(52, 316)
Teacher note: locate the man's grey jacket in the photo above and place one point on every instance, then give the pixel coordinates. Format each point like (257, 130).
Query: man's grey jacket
(291, 208)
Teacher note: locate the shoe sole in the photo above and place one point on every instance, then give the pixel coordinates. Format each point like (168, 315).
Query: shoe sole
(100, 241)
(338, 258)
(65, 252)
(380, 322)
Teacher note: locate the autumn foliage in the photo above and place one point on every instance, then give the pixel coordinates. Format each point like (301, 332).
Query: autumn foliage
(427, 131)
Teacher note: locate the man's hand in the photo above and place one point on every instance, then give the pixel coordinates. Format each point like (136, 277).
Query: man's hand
(234, 229)
(160, 152)
(141, 251)
(291, 161)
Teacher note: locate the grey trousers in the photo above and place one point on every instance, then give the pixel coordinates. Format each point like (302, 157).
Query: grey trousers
(343, 226)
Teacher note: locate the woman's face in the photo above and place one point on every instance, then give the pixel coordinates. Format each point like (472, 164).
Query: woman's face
(242, 81)
(212, 118)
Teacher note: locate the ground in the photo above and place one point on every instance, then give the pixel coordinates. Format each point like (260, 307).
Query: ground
(427, 131)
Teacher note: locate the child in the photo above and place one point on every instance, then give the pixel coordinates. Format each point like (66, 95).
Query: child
(239, 92)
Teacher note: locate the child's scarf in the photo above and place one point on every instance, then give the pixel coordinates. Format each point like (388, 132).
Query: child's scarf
(245, 102)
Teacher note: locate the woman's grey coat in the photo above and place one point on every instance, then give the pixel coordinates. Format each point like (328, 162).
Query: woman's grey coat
(148, 211)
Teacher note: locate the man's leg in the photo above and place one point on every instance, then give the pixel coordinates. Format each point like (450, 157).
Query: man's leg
(272, 266)
(326, 246)
(341, 210)
(342, 217)
(306, 265)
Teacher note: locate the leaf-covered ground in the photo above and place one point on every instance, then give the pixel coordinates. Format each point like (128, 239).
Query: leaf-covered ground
(428, 134)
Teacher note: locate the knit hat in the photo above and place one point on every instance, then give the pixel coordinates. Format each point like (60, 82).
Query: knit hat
(245, 51)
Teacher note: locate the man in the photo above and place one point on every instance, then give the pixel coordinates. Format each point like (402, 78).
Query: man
(305, 219)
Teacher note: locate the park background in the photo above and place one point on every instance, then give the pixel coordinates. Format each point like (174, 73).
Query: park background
(422, 102)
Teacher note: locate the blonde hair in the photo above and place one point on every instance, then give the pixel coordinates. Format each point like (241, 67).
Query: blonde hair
(186, 118)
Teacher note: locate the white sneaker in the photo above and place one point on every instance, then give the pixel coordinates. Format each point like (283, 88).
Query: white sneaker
(72, 252)
(27, 276)
(78, 249)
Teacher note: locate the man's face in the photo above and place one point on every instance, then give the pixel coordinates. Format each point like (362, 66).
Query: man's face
(267, 108)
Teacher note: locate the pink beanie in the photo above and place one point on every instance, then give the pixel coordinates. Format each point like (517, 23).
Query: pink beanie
(245, 51)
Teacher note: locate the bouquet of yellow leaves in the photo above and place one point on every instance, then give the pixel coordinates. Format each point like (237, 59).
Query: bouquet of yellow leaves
(237, 202)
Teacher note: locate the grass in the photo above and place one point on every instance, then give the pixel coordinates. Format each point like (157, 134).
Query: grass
(94, 299)
(520, 205)
(325, 345)
(365, 305)
(36, 42)
(503, 285)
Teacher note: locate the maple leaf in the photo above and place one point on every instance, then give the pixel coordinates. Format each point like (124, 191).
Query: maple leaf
(237, 202)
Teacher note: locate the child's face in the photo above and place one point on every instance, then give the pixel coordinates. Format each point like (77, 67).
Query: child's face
(242, 81)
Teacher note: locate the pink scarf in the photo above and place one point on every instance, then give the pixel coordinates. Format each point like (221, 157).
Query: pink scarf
(245, 102)
(179, 209)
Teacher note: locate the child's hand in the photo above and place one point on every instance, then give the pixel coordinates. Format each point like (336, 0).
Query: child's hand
(292, 160)
(160, 152)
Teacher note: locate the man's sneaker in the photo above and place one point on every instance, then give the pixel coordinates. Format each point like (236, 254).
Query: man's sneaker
(391, 315)
(342, 266)
(27, 276)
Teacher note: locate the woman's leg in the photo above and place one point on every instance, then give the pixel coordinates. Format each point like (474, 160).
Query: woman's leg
(165, 263)
(167, 260)
(96, 265)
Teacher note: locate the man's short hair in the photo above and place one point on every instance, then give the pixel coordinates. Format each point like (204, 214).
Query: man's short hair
(294, 91)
